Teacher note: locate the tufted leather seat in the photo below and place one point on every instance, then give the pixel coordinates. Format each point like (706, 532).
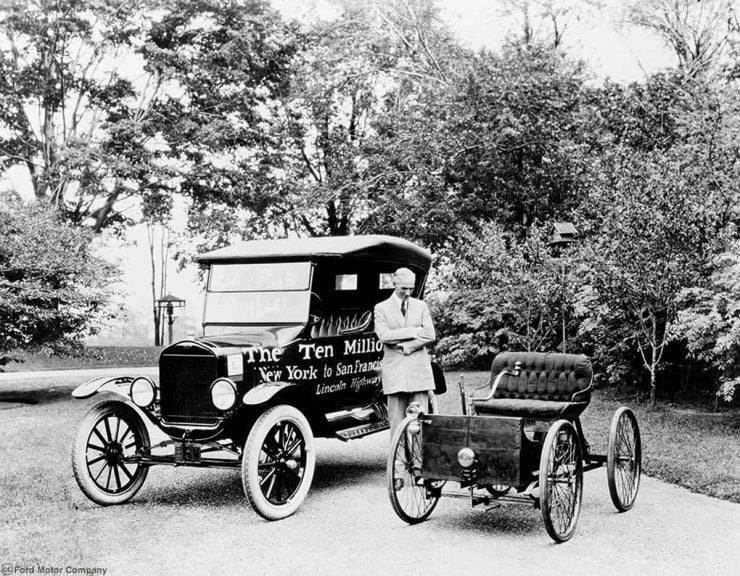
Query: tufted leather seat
(340, 323)
(549, 386)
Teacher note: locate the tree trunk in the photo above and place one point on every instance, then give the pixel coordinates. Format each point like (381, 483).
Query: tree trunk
(653, 366)
(153, 268)
(157, 341)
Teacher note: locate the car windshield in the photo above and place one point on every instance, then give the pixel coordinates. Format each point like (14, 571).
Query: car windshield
(260, 277)
(258, 293)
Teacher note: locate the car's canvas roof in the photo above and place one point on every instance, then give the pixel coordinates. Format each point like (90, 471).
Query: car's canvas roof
(376, 246)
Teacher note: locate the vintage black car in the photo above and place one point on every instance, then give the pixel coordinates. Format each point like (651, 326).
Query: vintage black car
(288, 352)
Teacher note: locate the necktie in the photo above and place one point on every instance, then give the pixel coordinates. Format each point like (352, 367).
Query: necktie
(403, 307)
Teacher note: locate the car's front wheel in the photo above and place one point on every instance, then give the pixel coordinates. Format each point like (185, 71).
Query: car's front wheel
(278, 462)
(106, 453)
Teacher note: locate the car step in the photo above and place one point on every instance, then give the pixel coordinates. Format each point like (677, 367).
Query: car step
(362, 430)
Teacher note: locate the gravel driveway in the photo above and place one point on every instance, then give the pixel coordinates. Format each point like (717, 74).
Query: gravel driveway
(188, 521)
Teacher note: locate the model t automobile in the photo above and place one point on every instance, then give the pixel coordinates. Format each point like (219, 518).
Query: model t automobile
(288, 352)
(519, 440)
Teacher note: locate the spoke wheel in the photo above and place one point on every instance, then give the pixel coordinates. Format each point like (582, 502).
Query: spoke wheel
(412, 497)
(278, 462)
(106, 450)
(624, 459)
(561, 480)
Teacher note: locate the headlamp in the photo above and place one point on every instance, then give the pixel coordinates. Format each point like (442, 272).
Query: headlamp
(466, 457)
(143, 392)
(223, 394)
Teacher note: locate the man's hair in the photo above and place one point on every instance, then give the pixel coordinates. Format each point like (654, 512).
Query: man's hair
(404, 273)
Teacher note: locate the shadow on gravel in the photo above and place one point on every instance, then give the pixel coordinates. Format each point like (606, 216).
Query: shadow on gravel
(223, 488)
(214, 488)
(504, 520)
(330, 475)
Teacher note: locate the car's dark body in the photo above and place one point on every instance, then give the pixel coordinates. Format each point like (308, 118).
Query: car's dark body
(328, 362)
(287, 322)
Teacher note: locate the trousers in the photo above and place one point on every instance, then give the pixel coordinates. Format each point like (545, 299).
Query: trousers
(398, 402)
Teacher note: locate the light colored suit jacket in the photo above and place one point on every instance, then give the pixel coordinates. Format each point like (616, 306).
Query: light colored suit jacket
(412, 372)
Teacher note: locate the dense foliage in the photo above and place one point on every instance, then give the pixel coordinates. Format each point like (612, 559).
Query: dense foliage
(709, 322)
(650, 228)
(501, 284)
(53, 290)
(70, 116)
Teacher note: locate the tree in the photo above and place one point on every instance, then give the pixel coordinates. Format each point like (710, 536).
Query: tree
(545, 22)
(321, 166)
(645, 116)
(159, 244)
(303, 154)
(709, 322)
(651, 228)
(69, 115)
(698, 32)
(502, 141)
(53, 289)
(495, 283)
(225, 65)
(139, 101)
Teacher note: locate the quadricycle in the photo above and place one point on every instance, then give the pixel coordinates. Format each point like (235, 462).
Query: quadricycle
(520, 440)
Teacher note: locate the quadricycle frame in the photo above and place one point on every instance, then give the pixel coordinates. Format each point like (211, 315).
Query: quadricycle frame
(521, 442)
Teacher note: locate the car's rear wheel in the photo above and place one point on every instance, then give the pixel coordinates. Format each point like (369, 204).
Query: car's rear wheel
(278, 462)
(106, 450)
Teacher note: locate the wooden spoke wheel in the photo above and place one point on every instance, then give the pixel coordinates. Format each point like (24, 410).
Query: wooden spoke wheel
(413, 498)
(624, 459)
(106, 452)
(561, 480)
(278, 462)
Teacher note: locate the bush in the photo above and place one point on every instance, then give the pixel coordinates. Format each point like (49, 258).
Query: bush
(709, 324)
(53, 290)
(498, 283)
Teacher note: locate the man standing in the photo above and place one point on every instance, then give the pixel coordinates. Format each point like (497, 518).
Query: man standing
(404, 326)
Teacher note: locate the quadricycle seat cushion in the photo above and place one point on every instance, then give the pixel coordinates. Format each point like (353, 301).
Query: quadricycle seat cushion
(549, 386)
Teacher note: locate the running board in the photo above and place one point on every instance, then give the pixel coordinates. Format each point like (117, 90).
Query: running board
(362, 430)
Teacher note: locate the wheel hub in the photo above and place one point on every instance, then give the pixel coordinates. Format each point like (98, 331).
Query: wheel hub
(113, 452)
(285, 462)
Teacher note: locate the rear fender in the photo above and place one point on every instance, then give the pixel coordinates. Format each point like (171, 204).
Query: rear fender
(118, 385)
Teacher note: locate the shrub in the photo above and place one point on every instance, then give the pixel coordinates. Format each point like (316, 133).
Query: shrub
(53, 289)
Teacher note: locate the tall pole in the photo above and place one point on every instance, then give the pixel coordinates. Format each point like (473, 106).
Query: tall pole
(170, 319)
(562, 305)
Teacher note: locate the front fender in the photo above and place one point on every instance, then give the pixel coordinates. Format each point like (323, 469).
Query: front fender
(117, 384)
(265, 392)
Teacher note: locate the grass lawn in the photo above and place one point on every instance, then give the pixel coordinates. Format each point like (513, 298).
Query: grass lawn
(92, 357)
